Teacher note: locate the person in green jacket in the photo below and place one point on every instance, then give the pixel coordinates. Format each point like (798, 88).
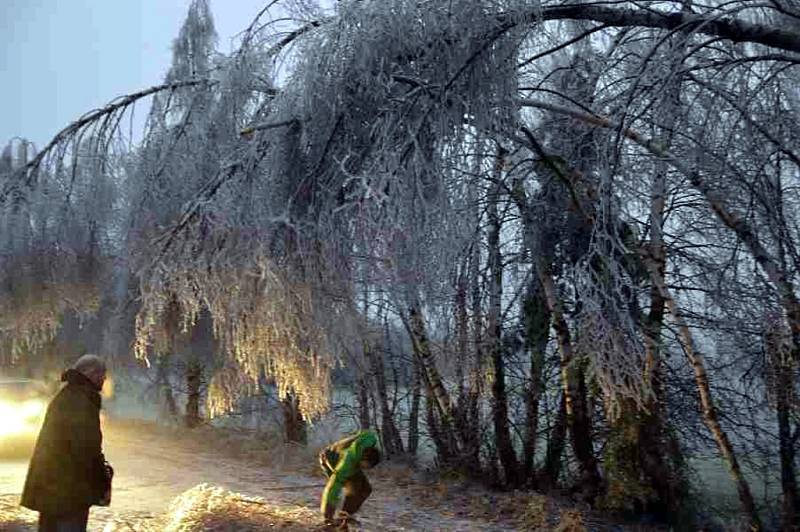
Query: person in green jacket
(344, 462)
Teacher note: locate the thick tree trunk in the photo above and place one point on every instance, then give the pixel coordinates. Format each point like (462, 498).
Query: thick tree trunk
(536, 318)
(194, 381)
(502, 431)
(736, 30)
(660, 467)
(295, 427)
(709, 410)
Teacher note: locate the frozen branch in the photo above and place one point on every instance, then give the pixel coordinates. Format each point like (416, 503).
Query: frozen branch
(727, 28)
(29, 169)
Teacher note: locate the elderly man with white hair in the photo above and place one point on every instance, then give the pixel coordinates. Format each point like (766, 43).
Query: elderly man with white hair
(68, 473)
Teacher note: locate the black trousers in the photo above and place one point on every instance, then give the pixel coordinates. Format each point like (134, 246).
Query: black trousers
(74, 522)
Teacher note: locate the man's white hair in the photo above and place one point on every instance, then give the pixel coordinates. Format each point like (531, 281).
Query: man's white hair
(90, 365)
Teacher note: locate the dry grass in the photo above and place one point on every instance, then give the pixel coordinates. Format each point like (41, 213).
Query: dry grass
(535, 515)
(210, 509)
(206, 508)
(570, 521)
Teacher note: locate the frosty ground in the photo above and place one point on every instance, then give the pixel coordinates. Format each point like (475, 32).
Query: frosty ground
(155, 466)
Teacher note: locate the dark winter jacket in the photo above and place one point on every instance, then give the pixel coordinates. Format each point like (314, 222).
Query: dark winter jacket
(67, 472)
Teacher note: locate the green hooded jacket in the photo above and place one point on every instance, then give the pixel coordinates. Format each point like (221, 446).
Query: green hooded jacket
(341, 461)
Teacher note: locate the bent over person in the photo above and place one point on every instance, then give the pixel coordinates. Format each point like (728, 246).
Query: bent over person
(68, 472)
(343, 463)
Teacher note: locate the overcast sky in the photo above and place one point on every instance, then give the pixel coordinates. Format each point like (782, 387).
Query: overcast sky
(62, 58)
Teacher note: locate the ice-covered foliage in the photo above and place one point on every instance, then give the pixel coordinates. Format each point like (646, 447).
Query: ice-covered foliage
(55, 243)
(353, 148)
(608, 334)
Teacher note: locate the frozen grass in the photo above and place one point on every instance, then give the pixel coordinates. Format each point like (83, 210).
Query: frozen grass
(13, 518)
(404, 498)
(206, 508)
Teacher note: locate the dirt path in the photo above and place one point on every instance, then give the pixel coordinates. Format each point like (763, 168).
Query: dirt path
(152, 469)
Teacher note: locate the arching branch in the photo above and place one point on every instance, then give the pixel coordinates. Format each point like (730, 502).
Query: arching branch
(28, 171)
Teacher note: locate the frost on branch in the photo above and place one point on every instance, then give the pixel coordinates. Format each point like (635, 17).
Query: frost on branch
(266, 325)
(609, 334)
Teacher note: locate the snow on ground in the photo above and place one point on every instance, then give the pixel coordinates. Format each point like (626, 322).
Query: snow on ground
(158, 478)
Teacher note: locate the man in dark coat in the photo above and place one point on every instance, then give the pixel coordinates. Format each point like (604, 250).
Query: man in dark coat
(68, 473)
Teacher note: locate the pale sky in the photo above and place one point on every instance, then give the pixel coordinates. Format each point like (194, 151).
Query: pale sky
(62, 58)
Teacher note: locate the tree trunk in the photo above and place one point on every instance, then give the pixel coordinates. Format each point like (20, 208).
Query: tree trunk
(548, 478)
(572, 379)
(295, 427)
(434, 386)
(363, 404)
(422, 349)
(167, 405)
(444, 451)
(194, 381)
(710, 415)
(413, 416)
(392, 443)
(791, 503)
(462, 337)
(661, 468)
(471, 429)
(536, 318)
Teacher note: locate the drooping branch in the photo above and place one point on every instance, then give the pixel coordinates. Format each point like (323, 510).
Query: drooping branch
(28, 171)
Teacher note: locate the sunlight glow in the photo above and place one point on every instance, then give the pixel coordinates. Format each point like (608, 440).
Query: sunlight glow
(108, 388)
(20, 418)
